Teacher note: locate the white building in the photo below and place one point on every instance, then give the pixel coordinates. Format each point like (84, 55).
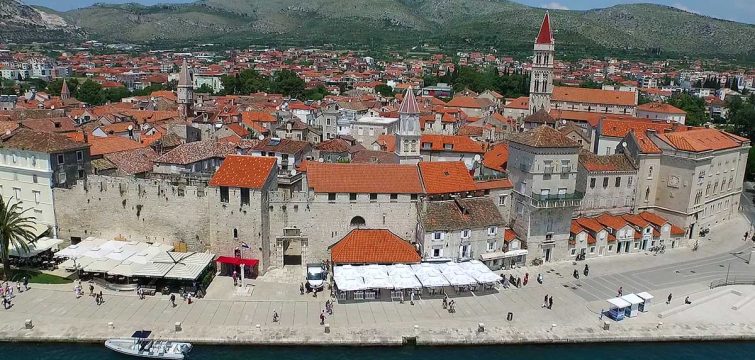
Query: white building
(661, 112)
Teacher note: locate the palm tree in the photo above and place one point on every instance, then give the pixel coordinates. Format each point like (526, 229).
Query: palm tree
(16, 230)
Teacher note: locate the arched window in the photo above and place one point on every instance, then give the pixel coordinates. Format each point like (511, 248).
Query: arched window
(235, 233)
(357, 221)
(647, 194)
(414, 145)
(650, 172)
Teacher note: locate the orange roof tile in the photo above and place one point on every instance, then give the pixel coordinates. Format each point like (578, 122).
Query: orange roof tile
(621, 126)
(661, 108)
(446, 177)
(591, 118)
(521, 103)
(698, 140)
(464, 102)
(590, 224)
(497, 157)
(463, 144)
(646, 145)
(653, 218)
(593, 96)
(613, 221)
(244, 171)
(387, 142)
(364, 178)
(368, 246)
(111, 144)
(494, 184)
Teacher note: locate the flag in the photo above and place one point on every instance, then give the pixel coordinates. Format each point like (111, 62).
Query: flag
(245, 245)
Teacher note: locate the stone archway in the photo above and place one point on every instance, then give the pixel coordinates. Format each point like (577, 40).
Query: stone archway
(357, 222)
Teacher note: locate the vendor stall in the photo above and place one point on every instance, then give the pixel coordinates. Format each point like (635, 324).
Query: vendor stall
(634, 302)
(617, 308)
(646, 300)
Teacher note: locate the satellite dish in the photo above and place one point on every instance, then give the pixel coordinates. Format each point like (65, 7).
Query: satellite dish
(261, 137)
(477, 157)
(563, 121)
(624, 143)
(321, 160)
(218, 126)
(293, 172)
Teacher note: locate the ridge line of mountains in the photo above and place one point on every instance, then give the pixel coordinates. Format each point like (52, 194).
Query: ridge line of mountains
(448, 24)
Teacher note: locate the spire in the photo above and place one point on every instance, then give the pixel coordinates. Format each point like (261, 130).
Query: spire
(545, 36)
(184, 77)
(65, 94)
(409, 105)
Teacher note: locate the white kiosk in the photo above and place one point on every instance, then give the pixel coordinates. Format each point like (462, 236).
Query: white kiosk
(617, 308)
(646, 300)
(634, 301)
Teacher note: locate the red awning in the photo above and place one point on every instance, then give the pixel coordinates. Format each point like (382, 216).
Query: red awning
(237, 261)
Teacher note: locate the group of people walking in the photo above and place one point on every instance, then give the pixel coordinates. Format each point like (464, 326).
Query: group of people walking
(6, 291)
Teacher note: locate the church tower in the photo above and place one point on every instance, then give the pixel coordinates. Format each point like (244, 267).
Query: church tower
(408, 135)
(541, 78)
(185, 92)
(65, 93)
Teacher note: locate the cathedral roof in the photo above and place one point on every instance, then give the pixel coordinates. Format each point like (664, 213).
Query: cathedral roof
(545, 36)
(184, 77)
(409, 105)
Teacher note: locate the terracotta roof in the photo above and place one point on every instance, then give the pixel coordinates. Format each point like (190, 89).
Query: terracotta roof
(497, 157)
(578, 116)
(464, 102)
(284, 146)
(463, 144)
(677, 231)
(545, 36)
(653, 218)
(32, 140)
(661, 108)
(593, 96)
(541, 117)
(364, 178)
(446, 177)
(544, 137)
(387, 142)
(605, 163)
(238, 129)
(59, 124)
(191, 152)
(509, 234)
(621, 126)
(249, 117)
(613, 221)
(334, 145)
(111, 144)
(590, 224)
(635, 220)
(461, 213)
(243, 171)
(521, 103)
(494, 184)
(374, 157)
(368, 246)
(698, 140)
(646, 145)
(135, 161)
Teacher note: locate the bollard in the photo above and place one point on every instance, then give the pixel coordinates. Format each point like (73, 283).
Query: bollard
(660, 323)
(110, 325)
(606, 325)
(416, 328)
(28, 324)
(257, 326)
(178, 326)
(553, 327)
(327, 328)
(480, 327)
(510, 316)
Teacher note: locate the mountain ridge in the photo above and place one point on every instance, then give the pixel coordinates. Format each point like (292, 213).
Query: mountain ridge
(447, 23)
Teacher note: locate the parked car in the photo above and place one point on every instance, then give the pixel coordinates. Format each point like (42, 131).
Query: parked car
(316, 277)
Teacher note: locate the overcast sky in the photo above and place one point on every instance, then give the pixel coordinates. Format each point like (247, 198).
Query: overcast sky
(737, 10)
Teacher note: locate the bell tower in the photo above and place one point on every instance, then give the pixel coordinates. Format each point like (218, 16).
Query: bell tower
(408, 135)
(541, 77)
(185, 92)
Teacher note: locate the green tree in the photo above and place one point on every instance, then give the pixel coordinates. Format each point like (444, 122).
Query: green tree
(205, 89)
(590, 84)
(55, 86)
(91, 93)
(384, 90)
(693, 105)
(315, 94)
(116, 94)
(288, 83)
(16, 231)
(7, 87)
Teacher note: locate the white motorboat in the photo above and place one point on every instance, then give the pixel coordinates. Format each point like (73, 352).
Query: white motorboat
(141, 346)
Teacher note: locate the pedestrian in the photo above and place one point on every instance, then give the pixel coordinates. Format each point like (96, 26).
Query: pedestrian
(505, 281)
(173, 299)
(322, 317)
(445, 300)
(301, 288)
(601, 315)
(275, 316)
(545, 301)
(452, 306)
(587, 270)
(102, 300)
(575, 274)
(188, 298)
(518, 282)
(18, 287)
(687, 300)
(526, 278)
(550, 302)
(6, 302)
(540, 278)
(26, 283)
(746, 235)
(91, 290)
(411, 298)
(621, 291)
(234, 275)
(668, 301)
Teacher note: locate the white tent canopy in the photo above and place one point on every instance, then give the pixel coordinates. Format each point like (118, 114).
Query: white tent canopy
(347, 278)
(36, 248)
(479, 272)
(403, 277)
(618, 303)
(75, 251)
(376, 277)
(455, 275)
(177, 266)
(429, 275)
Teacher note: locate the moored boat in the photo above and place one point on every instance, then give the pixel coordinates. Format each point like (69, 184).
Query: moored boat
(141, 346)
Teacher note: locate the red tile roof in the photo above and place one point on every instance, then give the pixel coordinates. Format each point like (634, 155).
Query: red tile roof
(111, 144)
(660, 108)
(613, 221)
(605, 163)
(446, 177)
(463, 144)
(646, 145)
(635, 220)
(497, 157)
(544, 137)
(698, 140)
(521, 103)
(593, 96)
(368, 246)
(580, 116)
(364, 178)
(243, 171)
(387, 142)
(409, 105)
(494, 184)
(464, 102)
(621, 126)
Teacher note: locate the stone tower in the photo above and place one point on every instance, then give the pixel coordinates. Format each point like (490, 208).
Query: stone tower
(185, 92)
(65, 93)
(541, 78)
(408, 135)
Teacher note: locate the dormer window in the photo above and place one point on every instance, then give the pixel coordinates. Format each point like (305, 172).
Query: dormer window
(448, 146)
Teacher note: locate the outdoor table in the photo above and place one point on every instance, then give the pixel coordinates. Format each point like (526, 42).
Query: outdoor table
(369, 295)
(359, 295)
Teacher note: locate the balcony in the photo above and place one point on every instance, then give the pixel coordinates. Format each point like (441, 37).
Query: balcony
(557, 200)
(492, 176)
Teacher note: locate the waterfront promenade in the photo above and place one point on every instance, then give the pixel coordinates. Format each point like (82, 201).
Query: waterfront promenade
(225, 316)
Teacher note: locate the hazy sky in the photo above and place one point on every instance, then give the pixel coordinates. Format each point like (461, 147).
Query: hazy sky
(737, 10)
